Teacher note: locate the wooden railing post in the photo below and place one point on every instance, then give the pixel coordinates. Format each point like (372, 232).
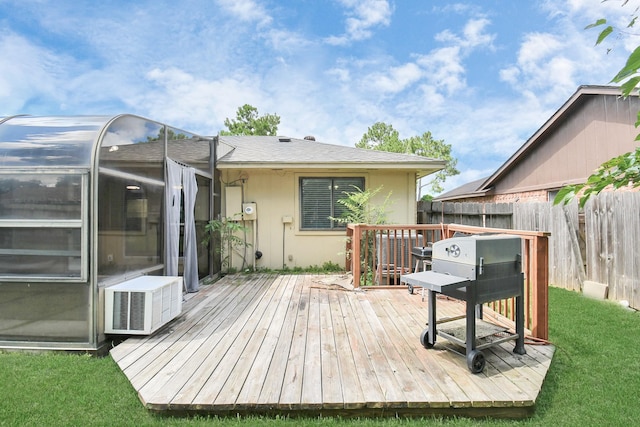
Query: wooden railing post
(348, 258)
(355, 254)
(540, 281)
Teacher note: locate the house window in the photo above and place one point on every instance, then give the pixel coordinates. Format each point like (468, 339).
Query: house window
(319, 201)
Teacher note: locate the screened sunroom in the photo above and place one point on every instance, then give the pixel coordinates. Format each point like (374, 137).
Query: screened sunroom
(91, 202)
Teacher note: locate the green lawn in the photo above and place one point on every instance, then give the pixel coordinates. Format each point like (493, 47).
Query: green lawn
(594, 380)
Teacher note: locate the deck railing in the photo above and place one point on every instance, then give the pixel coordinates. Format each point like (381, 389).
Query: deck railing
(383, 253)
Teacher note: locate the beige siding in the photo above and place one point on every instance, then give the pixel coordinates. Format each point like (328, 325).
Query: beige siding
(275, 193)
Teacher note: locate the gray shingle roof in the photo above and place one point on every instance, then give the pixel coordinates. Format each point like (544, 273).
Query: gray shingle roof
(279, 151)
(273, 152)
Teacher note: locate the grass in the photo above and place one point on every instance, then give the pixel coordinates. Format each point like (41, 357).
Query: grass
(595, 374)
(594, 380)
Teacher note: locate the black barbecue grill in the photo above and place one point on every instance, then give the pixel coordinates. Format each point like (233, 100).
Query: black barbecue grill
(476, 269)
(422, 254)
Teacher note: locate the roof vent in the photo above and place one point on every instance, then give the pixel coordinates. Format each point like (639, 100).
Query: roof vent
(310, 138)
(284, 139)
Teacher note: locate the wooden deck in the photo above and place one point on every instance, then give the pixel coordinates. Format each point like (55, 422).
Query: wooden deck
(303, 345)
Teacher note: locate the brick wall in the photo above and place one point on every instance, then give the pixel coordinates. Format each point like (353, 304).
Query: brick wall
(528, 196)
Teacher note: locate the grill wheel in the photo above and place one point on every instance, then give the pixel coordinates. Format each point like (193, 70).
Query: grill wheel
(475, 361)
(424, 339)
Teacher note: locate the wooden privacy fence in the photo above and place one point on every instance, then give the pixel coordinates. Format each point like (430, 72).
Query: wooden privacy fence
(495, 215)
(377, 255)
(599, 243)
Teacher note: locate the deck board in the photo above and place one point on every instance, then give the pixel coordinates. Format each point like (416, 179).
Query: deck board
(287, 371)
(287, 344)
(237, 353)
(202, 354)
(373, 396)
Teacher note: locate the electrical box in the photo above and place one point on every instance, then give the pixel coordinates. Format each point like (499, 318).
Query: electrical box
(233, 202)
(287, 219)
(249, 211)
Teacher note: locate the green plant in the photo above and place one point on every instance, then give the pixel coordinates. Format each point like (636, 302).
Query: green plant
(225, 233)
(359, 209)
(326, 267)
(331, 267)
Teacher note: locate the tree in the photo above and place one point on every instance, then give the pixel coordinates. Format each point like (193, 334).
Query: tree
(248, 122)
(171, 135)
(384, 137)
(623, 170)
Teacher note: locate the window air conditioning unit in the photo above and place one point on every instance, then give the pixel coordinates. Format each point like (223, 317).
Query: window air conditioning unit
(142, 305)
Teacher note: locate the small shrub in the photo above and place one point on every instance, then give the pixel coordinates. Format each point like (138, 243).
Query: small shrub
(225, 232)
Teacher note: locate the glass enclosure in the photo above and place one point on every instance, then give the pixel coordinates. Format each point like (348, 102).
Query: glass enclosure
(41, 232)
(82, 202)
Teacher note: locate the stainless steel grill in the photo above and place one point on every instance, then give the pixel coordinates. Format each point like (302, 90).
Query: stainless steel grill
(476, 269)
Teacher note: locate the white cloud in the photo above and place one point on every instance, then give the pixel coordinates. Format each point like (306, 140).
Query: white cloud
(542, 65)
(286, 41)
(336, 40)
(590, 10)
(246, 10)
(200, 105)
(396, 79)
(444, 69)
(473, 35)
(28, 73)
(342, 74)
(551, 64)
(362, 17)
(367, 14)
(441, 69)
(537, 47)
(510, 75)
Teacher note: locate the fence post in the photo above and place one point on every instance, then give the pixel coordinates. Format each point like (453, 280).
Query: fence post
(540, 281)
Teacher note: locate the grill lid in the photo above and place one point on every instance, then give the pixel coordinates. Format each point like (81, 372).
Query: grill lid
(492, 248)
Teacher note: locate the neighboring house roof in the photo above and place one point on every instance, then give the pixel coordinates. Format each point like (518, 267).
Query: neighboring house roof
(279, 152)
(470, 189)
(485, 186)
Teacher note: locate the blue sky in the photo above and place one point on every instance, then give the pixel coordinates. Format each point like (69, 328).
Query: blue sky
(483, 75)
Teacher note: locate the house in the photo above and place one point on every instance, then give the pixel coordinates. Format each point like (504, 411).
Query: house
(595, 124)
(90, 205)
(291, 186)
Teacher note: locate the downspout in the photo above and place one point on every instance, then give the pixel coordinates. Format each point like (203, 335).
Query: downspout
(213, 162)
